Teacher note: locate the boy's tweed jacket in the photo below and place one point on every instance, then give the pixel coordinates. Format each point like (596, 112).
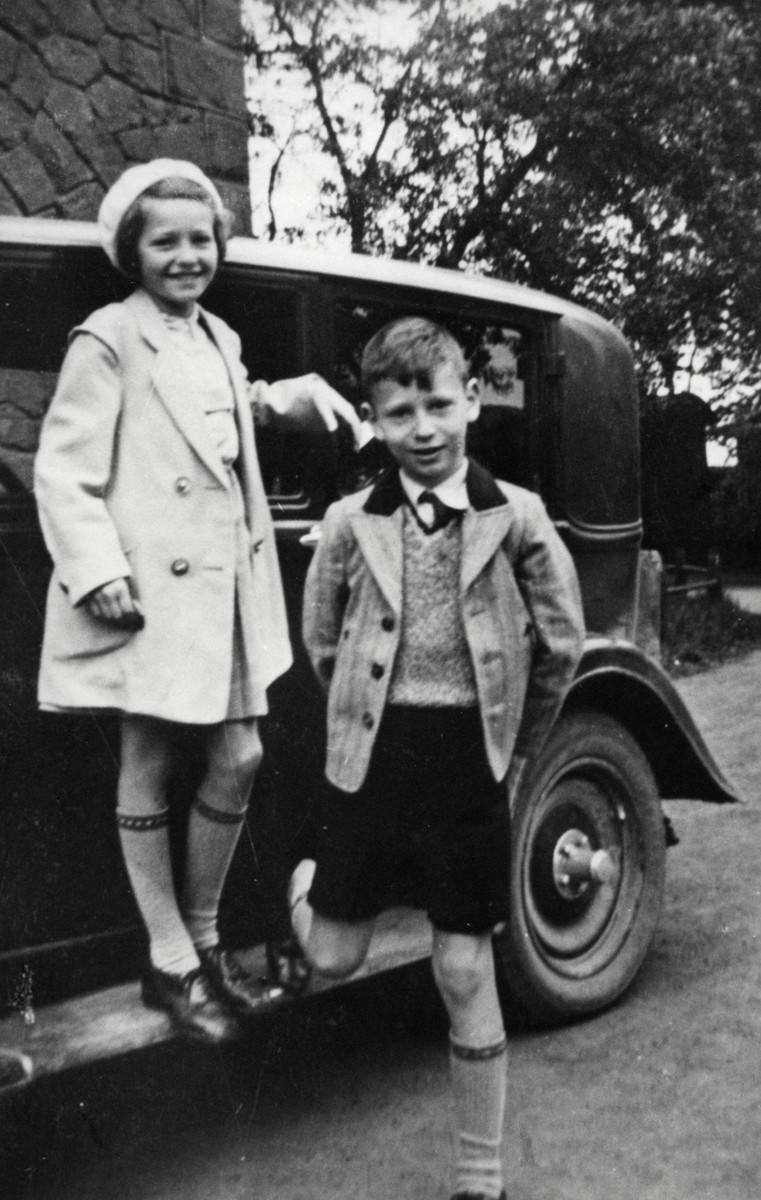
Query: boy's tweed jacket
(520, 605)
(129, 483)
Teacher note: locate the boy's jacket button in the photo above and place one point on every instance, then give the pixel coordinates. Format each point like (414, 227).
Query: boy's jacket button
(182, 485)
(387, 623)
(180, 566)
(368, 720)
(377, 670)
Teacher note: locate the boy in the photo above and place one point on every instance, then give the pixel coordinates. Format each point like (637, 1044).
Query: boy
(442, 615)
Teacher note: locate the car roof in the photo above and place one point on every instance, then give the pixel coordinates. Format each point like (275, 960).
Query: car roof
(249, 251)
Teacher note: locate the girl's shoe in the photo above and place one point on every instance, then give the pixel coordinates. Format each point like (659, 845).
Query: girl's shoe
(188, 1000)
(230, 981)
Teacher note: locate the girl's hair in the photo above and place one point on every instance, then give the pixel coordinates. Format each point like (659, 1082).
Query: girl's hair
(132, 223)
(407, 350)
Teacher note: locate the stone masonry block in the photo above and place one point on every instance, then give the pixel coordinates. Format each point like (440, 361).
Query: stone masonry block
(222, 21)
(171, 139)
(129, 20)
(24, 175)
(228, 147)
(204, 75)
(134, 63)
(236, 197)
(74, 116)
(14, 123)
(25, 392)
(69, 108)
(116, 106)
(8, 203)
(83, 203)
(32, 80)
(18, 431)
(9, 52)
(70, 60)
(61, 161)
(177, 16)
(28, 18)
(20, 466)
(80, 19)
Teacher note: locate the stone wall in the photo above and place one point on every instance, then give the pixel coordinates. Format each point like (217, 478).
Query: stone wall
(88, 87)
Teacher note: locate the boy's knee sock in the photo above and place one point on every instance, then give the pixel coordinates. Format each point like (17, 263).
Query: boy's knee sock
(145, 846)
(213, 833)
(479, 1084)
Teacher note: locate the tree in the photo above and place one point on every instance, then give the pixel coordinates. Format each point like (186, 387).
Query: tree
(608, 151)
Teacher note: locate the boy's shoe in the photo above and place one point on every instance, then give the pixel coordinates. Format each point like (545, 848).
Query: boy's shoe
(286, 962)
(230, 981)
(190, 1003)
(286, 965)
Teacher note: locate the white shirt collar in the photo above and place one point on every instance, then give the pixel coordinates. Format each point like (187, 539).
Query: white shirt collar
(453, 491)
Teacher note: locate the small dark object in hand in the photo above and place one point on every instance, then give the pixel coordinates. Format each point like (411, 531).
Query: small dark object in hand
(131, 620)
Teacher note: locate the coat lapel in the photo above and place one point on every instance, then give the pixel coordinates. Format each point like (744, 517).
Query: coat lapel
(482, 535)
(380, 541)
(186, 415)
(378, 530)
(485, 525)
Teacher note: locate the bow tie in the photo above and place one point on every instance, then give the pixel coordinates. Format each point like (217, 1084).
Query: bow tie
(441, 513)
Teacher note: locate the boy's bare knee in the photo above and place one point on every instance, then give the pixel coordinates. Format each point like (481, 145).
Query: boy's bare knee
(333, 963)
(461, 968)
(337, 950)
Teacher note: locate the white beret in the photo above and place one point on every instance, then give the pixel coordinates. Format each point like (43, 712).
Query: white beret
(133, 183)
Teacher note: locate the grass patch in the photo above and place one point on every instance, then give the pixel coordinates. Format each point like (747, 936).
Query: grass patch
(698, 632)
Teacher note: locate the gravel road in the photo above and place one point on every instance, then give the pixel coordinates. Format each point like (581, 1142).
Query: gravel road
(657, 1099)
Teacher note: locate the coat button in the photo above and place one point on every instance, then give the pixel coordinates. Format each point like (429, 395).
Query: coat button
(182, 485)
(180, 566)
(368, 720)
(387, 623)
(377, 670)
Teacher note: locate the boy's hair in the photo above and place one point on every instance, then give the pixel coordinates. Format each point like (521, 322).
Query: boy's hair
(409, 350)
(132, 223)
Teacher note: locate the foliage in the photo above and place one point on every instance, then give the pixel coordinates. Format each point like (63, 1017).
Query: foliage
(699, 632)
(606, 150)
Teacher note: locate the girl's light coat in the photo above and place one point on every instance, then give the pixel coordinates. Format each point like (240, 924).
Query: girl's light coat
(129, 483)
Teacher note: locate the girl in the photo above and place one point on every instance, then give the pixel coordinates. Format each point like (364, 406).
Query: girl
(165, 604)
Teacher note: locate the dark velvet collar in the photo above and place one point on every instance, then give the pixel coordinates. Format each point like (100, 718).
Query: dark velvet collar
(388, 494)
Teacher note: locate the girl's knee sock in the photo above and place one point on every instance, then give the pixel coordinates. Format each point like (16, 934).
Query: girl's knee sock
(145, 846)
(479, 1084)
(213, 833)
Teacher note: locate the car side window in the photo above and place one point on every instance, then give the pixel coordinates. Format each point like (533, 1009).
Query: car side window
(496, 351)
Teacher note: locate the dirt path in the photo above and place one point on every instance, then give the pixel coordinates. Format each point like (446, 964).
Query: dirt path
(657, 1099)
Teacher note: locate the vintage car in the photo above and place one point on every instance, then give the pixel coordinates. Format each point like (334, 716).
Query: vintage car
(559, 416)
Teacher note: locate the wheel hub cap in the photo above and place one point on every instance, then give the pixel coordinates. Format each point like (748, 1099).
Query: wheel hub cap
(576, 866)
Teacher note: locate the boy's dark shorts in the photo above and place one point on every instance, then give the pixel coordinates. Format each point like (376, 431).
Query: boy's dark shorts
(429, 827)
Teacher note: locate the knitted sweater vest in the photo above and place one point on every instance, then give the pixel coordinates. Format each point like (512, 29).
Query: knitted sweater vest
(432, 667)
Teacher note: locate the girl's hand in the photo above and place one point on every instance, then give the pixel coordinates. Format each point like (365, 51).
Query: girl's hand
(299, 401)
(114, 603)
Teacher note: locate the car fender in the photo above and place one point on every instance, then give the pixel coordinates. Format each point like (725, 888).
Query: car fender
(618, 678)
